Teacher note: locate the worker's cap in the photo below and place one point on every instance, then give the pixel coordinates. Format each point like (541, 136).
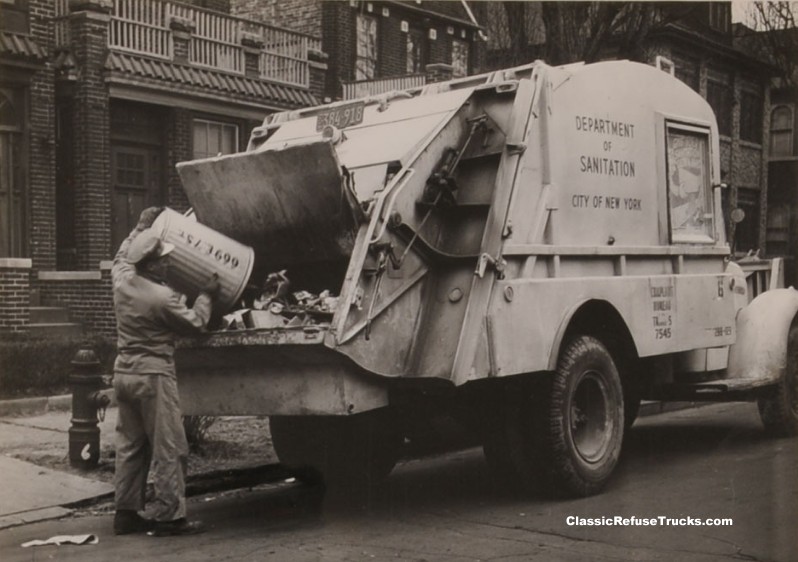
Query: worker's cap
(147, 245)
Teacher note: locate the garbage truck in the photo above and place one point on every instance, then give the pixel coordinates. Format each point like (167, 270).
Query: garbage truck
(532, 252)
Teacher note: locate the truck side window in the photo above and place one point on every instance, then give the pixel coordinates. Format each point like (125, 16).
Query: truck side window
(689, 193)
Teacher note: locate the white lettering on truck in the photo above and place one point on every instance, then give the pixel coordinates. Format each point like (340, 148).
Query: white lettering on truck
(605, 126)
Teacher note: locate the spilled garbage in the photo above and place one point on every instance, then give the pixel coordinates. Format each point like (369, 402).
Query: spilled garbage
(276, 306)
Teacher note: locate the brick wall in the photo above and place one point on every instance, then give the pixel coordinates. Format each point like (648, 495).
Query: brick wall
(87, 295)
(14, 295)
(318, 74)
(298, 15)
(41, 170)
(334, 22)
(89, 31)
(178, 149)
(338, 41)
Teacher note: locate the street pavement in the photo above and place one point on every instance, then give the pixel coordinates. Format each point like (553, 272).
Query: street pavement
(705, 462)
(33, 493)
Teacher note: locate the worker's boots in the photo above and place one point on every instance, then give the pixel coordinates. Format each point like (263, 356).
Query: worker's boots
(127, 521)
(176, 528)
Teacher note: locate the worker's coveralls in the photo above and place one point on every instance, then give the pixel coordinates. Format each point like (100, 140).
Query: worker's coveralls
(149, 430)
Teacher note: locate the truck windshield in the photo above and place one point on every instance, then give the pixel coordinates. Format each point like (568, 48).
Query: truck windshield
(689, 194)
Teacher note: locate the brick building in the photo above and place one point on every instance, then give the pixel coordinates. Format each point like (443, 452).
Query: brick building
(375, 47)
(782, 134)
(99, 99)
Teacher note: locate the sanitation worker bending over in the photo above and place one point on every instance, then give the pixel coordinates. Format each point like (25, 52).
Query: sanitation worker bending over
(149, 430)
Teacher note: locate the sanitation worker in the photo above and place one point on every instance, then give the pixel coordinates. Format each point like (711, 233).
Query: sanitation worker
(149, 430)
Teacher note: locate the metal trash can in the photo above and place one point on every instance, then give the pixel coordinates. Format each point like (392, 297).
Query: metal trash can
(199, 253)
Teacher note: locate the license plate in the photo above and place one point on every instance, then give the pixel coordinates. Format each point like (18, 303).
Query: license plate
(340, 117)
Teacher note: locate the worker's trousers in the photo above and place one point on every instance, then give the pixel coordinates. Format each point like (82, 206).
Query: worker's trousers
(150, 435)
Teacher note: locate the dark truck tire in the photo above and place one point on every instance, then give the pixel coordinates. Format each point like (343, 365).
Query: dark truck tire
(565, 439)
(357, 449)
(574, 424)
(779, 410)
(585, 418)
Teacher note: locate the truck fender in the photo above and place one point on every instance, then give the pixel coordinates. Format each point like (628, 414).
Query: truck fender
(605, 308)
(760, 349)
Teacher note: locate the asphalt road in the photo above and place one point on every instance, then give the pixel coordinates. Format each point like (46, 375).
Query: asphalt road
(711, 462)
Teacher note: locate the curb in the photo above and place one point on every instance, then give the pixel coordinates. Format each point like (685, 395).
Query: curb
(196, 485)
(34, 516)
(42, 405)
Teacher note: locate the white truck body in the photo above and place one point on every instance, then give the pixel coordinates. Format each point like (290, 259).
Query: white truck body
(476, 229)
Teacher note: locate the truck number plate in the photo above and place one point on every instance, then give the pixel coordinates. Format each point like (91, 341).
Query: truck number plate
(340, 117)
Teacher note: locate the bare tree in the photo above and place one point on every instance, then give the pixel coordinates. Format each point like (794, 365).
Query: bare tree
(564, 32)
(776, 36)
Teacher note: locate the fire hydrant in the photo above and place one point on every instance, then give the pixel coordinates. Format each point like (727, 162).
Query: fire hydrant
(88, 405)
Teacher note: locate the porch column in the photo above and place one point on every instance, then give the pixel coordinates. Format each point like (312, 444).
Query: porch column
(88, 25)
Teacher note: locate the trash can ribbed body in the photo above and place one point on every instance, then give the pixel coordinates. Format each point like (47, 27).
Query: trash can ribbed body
(199, 253)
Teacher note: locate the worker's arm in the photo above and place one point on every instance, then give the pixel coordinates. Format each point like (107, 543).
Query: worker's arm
(120, 264)
(146, 219)
(185, 320)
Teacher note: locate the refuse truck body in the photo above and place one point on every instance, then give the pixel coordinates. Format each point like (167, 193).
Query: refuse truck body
(533, 251)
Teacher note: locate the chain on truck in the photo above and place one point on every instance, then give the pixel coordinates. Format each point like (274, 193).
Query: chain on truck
(531, 252)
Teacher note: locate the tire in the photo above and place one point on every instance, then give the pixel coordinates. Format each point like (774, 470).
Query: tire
(779, 410)
(583, 419)
(357, 449)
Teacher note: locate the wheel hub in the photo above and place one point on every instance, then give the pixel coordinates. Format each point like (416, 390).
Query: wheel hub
(590, 417)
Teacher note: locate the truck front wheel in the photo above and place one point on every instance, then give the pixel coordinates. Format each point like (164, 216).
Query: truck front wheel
(361, 448)
(779, 410)
(584, 418)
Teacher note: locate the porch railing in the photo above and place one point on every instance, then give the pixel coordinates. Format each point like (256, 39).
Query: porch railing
(144, 27)
(364, 88)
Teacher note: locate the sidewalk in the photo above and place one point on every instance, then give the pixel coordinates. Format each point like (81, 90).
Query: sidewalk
(31, 492)
(34, 434)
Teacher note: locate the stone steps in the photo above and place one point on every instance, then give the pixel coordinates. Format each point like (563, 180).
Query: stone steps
(52, 322)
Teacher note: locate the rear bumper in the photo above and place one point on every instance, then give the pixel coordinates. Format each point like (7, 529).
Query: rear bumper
(273, 372)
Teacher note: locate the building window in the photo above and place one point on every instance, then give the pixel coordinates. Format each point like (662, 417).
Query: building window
(14, 16)
(13, 190)
(366, 56)
(720, 16)
(781, 131)
(686, 70)
(746, 233)
(719, 96)
(778, 230)
(212, 138)
(460, 57)
(415, 51)
(750, 117)
(689, 194)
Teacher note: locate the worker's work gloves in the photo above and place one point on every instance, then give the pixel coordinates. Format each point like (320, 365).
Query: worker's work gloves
(212, 286)
(148, 216)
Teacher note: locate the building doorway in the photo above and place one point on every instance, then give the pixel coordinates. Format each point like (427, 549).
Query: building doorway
(137, 165)
(136, 177)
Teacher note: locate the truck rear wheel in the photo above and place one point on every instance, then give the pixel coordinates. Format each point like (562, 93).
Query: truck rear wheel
(779, 410)
(361, 448)
(584, 419)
